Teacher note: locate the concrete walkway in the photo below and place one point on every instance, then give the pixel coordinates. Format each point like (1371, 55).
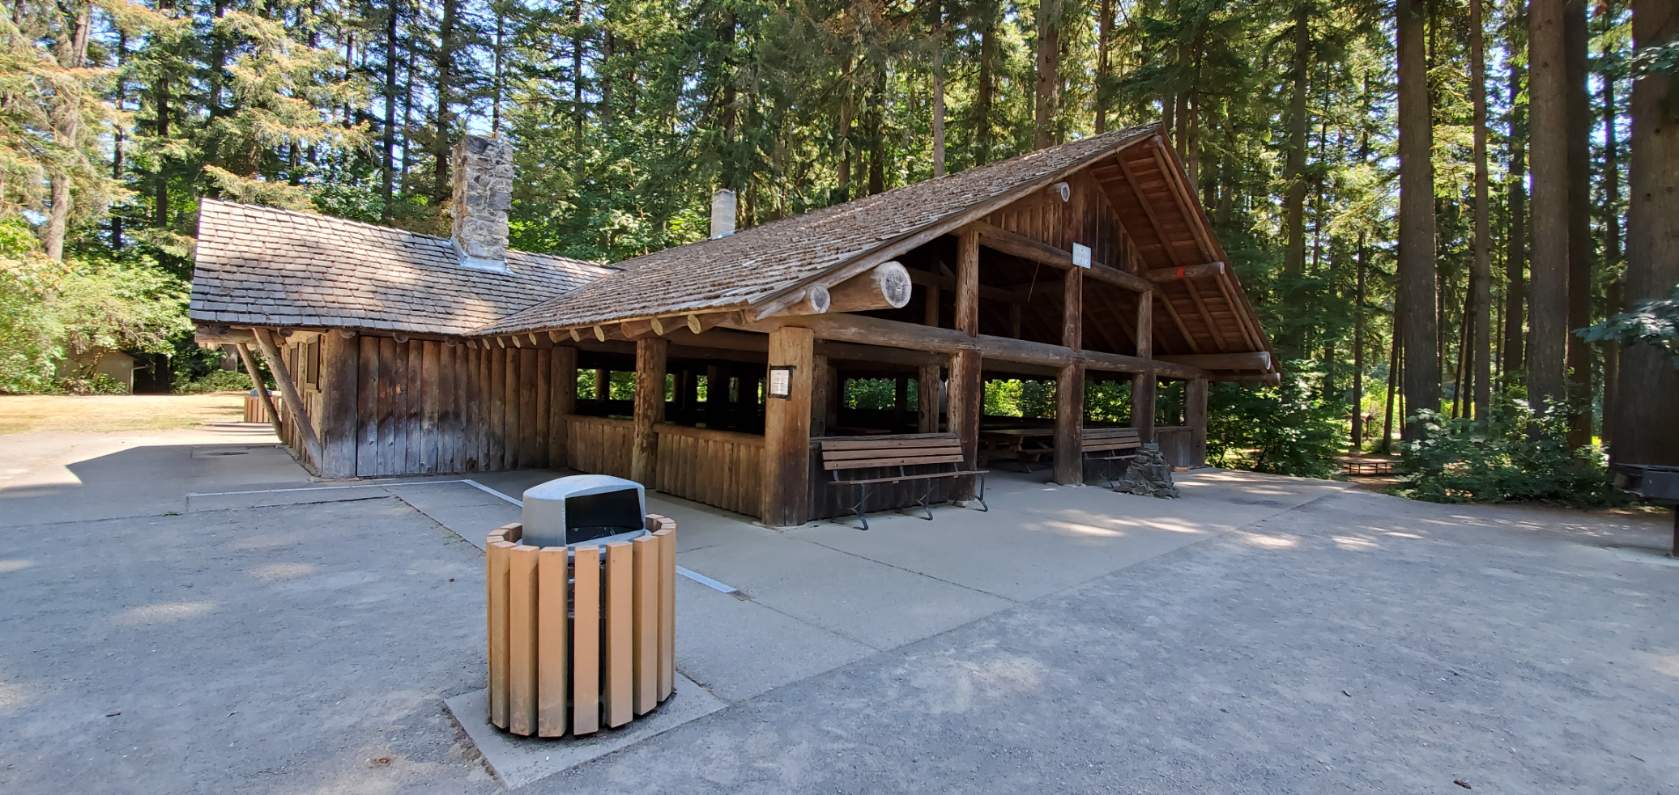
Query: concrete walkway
(182, 620)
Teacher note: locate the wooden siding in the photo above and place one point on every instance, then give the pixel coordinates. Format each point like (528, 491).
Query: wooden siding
(599, 444)
(718, 468)
(1177, 444)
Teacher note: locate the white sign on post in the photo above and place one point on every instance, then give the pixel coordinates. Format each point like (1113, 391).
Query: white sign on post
(1081, 255)
(781, 381)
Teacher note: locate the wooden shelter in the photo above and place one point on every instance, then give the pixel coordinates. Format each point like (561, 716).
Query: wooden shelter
(1082, 264)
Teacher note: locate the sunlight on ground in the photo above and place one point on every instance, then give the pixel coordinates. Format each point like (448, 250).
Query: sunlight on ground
(1269, 541)
(275, 572)
(101, 413)
(162, 613)
(10, 565)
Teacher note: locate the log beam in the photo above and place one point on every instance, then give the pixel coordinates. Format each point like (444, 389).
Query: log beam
(1202, 271)
(1257, 360)
(1019, 245)
(289, 395)
(260, 387)
(885, 286)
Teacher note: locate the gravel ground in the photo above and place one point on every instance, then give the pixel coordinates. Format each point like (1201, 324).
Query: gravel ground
(1356, 642)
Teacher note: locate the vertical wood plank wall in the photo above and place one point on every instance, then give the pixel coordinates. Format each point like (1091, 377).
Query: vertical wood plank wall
(426, 406)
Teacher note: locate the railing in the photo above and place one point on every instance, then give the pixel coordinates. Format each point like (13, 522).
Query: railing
(718, 468)
(599, 444)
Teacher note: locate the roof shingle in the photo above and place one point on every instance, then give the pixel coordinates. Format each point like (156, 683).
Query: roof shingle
(756, 263)
(266, 266)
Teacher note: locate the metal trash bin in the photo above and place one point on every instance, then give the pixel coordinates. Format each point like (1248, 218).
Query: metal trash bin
(581, 609)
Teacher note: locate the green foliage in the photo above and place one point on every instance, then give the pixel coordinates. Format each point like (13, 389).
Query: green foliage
(213, 381)
(1654, 323)
(95, 384)
(1285, 429)
(53, 314)
(1016, 398)
(1519, 456)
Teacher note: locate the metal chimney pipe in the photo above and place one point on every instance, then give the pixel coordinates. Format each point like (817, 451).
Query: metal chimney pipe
(722, 213)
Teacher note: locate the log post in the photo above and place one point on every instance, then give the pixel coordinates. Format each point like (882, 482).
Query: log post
(289, 395)
(967, 402)
(967, 282)
(823, 383)
(716, 396)
(1069, 385)
(786, 495)
(927, 399)
(900, 402)
(340, 357)
(561, 404)
(603, 384)
(967, 388)
(1195, 416)
(649, 408)
(1142, 384)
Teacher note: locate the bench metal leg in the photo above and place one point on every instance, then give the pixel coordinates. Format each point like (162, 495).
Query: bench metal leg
(983, 508)
(924, 504)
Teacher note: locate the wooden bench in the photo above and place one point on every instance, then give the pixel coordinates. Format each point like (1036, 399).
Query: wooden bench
(924, 457)
(1109, 445)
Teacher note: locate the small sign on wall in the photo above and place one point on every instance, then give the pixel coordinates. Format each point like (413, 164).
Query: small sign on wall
(781, 381)
(1081, 255)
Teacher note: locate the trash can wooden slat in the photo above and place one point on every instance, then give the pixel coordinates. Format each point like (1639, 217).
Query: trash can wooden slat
(574, 644)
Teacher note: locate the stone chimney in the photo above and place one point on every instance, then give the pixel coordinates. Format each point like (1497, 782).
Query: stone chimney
(722, 213)
(483, 192)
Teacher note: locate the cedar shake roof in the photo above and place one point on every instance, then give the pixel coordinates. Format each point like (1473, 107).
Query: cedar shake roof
(758, 263)
(268, 267)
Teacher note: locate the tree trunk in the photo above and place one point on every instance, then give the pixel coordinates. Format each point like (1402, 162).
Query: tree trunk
(1515, 252)
(1611, 224)
(1548, 298)
(1480, 278)
(1360, 265)
(1416, 216)
(1394, 351)
(441, 188)
(985, 91)
(1294, 199)
(1104, 62)
(1579, 355)
(1652, 247)
(1047, 73)
(387, 183)
(119, 134)
(70, 52)
(938, 88)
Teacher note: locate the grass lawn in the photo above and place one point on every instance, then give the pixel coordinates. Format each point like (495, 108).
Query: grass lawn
(24, 413)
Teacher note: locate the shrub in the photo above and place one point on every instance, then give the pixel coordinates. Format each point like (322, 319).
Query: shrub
(1285, 429)
(1519, 456)
(213, 381)
(95, 384)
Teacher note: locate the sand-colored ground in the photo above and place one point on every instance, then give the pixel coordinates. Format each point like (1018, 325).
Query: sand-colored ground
(25, 413)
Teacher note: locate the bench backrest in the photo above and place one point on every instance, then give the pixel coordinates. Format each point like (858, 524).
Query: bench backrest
(1098, 439)
(891, 451)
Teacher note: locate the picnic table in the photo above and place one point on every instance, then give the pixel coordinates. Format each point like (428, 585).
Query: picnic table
(1025, 445)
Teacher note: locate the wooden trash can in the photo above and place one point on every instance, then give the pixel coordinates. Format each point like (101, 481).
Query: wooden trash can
(580, 637)
(255, 411)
